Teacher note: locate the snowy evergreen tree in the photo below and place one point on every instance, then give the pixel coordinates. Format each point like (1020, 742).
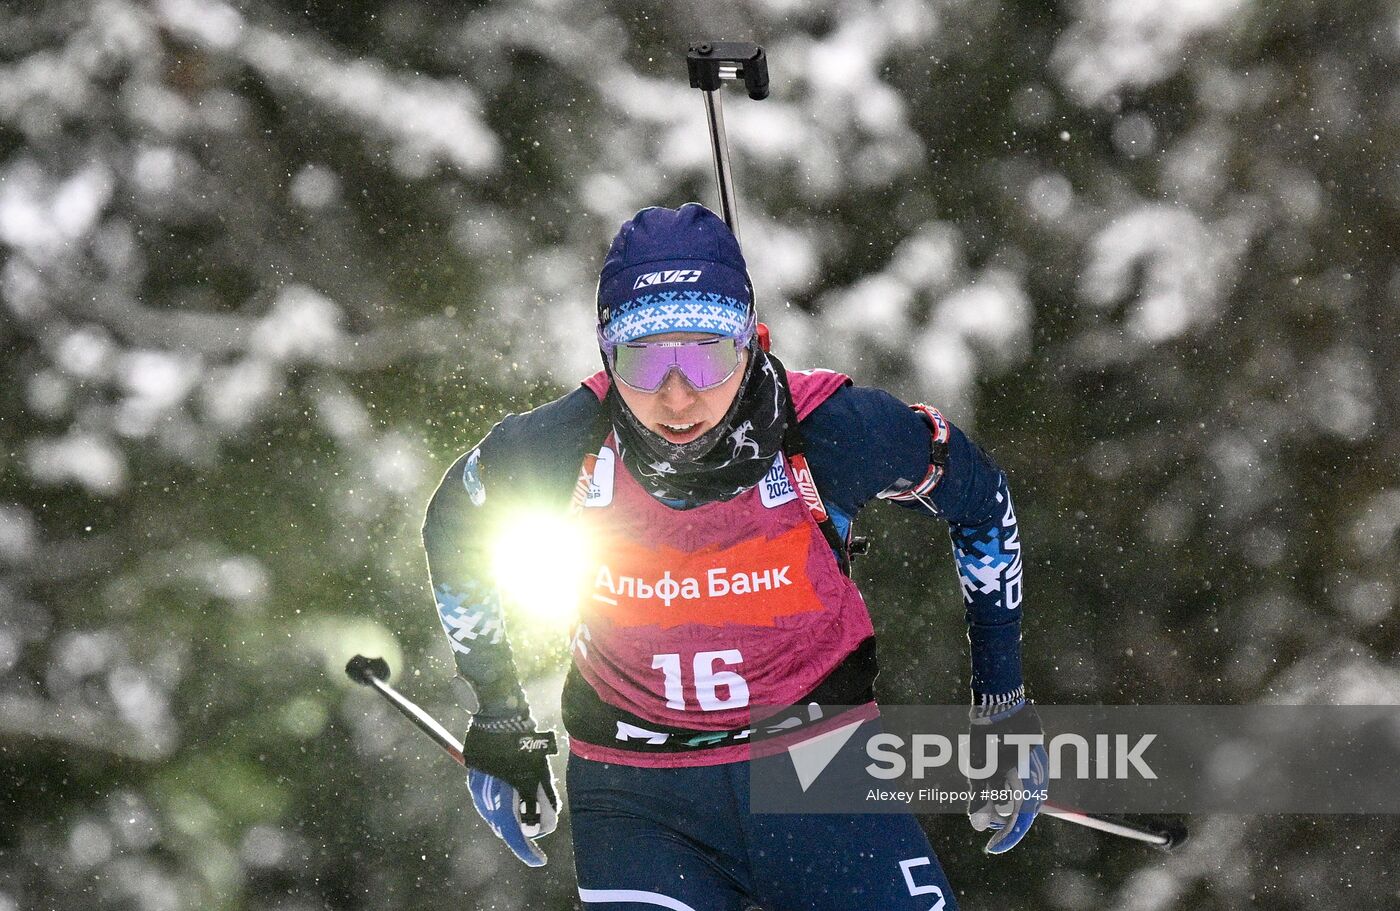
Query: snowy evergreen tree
(267, 268)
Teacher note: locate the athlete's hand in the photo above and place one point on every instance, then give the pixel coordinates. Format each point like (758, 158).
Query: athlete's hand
(511, 784)
(1007, 802)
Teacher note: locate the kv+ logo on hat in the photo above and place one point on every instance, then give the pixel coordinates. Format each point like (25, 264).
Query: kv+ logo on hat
(667, 277)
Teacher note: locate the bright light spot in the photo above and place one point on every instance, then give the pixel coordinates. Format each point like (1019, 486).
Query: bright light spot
(539, 561)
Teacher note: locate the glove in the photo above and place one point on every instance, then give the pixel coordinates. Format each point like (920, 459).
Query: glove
(511, 785)
(1006, 803)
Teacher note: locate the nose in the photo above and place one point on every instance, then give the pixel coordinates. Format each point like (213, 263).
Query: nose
(676, 394)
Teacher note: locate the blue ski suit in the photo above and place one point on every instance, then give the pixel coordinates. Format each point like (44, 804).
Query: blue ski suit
(684, 837)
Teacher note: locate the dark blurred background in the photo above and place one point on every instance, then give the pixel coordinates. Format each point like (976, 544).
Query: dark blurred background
(268, 267)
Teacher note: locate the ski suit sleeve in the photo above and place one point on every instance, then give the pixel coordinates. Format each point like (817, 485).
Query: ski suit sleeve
(468, 605)
(528, 461)
(975, 498)
(971, 493)
(864, 443)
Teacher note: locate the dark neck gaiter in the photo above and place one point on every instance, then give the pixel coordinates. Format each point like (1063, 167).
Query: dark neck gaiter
(727, 459)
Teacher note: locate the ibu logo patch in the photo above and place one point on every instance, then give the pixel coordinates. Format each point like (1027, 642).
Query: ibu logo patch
(600, 490)
(775, 489)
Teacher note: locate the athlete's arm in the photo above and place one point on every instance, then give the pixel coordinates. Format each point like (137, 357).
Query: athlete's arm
(973, 496)
(524, 461)
(864, 443)
(965, 487)
(527, 460)
(468, 605)
(512, 789)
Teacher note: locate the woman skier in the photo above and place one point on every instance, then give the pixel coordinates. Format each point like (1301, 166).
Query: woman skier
(719, 492)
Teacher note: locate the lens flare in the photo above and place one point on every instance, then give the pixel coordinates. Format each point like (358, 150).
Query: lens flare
(539, 560)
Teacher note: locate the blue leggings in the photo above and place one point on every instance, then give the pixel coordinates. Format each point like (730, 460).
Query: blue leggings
(684, 839)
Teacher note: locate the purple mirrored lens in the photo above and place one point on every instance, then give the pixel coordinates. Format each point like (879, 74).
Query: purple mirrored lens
(703, 364)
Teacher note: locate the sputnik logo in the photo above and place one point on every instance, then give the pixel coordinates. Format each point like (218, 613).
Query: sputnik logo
(811, 757)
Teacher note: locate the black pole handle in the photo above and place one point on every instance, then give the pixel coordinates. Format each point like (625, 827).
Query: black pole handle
(704, 59)
(361, 669)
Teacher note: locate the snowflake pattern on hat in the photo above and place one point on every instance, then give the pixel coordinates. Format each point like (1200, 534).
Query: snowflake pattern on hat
(677, 311)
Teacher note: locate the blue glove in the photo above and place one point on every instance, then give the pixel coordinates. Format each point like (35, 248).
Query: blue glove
(500, 805)
(511, 784)
(1007, 803)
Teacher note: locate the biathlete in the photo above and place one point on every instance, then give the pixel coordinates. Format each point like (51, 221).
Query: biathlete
(719, 490)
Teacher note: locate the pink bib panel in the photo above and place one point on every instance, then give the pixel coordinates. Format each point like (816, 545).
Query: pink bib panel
(692, 616)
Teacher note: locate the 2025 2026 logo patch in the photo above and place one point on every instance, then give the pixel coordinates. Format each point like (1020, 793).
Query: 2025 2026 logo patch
(775, 489)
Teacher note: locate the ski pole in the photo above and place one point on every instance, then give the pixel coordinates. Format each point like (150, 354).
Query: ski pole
(710, 63)
(1168, 837)
(374, 673)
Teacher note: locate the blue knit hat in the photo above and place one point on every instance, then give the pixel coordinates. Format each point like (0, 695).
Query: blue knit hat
(673, 270)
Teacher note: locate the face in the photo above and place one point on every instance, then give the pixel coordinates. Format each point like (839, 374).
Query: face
(678, 412)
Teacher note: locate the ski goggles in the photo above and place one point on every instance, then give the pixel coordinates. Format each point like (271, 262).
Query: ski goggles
(704, 364)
